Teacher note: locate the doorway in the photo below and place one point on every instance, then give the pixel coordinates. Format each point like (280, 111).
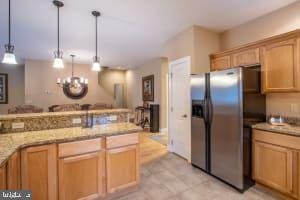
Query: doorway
(179, 123)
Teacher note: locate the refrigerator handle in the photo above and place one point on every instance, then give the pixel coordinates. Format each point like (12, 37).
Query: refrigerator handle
(205, 111)
(211, 111)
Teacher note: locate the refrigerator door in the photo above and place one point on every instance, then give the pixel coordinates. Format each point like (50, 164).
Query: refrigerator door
(226, 108)
(198, 121)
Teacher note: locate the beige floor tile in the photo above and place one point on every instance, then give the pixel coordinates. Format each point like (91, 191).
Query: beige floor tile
(176, 186)
(158, 192)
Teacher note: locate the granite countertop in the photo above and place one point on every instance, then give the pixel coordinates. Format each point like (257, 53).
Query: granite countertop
(10, 143)
(287, 129)
(69, 113)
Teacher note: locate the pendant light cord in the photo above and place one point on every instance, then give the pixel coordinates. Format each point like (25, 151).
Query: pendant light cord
(58, 31)
(96, 39)
(72, 65)
(9, 23)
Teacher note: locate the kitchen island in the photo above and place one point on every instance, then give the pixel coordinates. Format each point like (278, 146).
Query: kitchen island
(72, 163)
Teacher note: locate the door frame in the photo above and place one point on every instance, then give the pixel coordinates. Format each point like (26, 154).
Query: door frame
(188, 136)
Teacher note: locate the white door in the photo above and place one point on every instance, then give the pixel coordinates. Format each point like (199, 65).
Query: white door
(179, 107)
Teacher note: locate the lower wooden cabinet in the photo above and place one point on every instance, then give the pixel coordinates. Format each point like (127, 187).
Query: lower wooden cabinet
(273, 166)
(82, 176)
(39, 171)
(276, 162)
(3, 177)
(122, 166)
(14, 172)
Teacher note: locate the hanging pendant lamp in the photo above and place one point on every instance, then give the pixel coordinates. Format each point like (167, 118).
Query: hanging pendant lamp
(9, 57)
(96, 62)
(58, 54)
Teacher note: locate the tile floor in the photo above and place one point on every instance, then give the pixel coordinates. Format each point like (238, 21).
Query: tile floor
(172, 178)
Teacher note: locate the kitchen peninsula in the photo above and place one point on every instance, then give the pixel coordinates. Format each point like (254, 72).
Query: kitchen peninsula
(71, 162)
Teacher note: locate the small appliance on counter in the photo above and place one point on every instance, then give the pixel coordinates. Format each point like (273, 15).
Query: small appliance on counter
(277, 121)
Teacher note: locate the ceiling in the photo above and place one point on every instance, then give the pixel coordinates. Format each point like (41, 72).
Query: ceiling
(132, 31)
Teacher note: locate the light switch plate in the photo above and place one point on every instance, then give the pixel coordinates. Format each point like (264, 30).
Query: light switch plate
(18, 125)
(76, 121)
(112, 118)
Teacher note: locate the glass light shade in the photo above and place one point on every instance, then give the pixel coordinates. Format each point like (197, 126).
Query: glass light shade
(9, 58)
(58, 63)
(69, 80)
(81, 80)
(58, 81)
(86, 81)
(96, 67)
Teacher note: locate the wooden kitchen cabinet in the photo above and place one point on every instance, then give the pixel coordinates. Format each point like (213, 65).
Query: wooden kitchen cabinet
(249, 57)
(220, 63)
(273, 166)
(3, 177)
(276, 161)
(122, 162)
(39, 171)
(122, 168)
(81, 173)
(14, 172)
(280, 65)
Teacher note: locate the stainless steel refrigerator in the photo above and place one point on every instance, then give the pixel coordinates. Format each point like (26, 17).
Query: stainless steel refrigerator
(224, 106)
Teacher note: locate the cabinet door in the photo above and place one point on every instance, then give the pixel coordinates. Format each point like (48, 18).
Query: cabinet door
(82, 176)
(39, 171)
(273, 166)
(246, 58)
(280, 64)
(122, 166)
(14, 172)
(3, 177)
(220, 63)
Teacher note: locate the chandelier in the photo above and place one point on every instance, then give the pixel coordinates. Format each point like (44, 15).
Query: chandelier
(74, 83)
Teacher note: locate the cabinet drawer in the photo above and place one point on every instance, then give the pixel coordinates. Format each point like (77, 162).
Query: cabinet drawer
(79, 147)
(122, 140)
(277, 139)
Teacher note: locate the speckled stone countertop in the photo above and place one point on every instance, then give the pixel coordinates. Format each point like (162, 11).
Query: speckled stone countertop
(10, 143)
(69, 113)
(288, 129)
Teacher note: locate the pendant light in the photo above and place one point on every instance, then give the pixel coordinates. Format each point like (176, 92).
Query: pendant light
(58, 54)
(96, 63)
(9, 57)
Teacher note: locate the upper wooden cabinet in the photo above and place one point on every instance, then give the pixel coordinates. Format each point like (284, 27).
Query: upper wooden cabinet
(220, 63)
(279, 57)
(81, 170)
(248, 57)
(280, 64)
(3, 178)
(39, 171)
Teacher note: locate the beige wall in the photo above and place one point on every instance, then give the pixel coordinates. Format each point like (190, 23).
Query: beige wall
(134, 86)
(196, 42)
(41, 88)
(164, 93)
(16, 89)
(109, 77)
(281, 21)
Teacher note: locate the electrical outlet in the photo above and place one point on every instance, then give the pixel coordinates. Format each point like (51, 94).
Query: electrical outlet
(295, 108)
(18, 125)
(112, 118)
(76, 121)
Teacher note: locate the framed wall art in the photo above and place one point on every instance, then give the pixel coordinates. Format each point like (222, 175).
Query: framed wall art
(148, 88)
(3, 88)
